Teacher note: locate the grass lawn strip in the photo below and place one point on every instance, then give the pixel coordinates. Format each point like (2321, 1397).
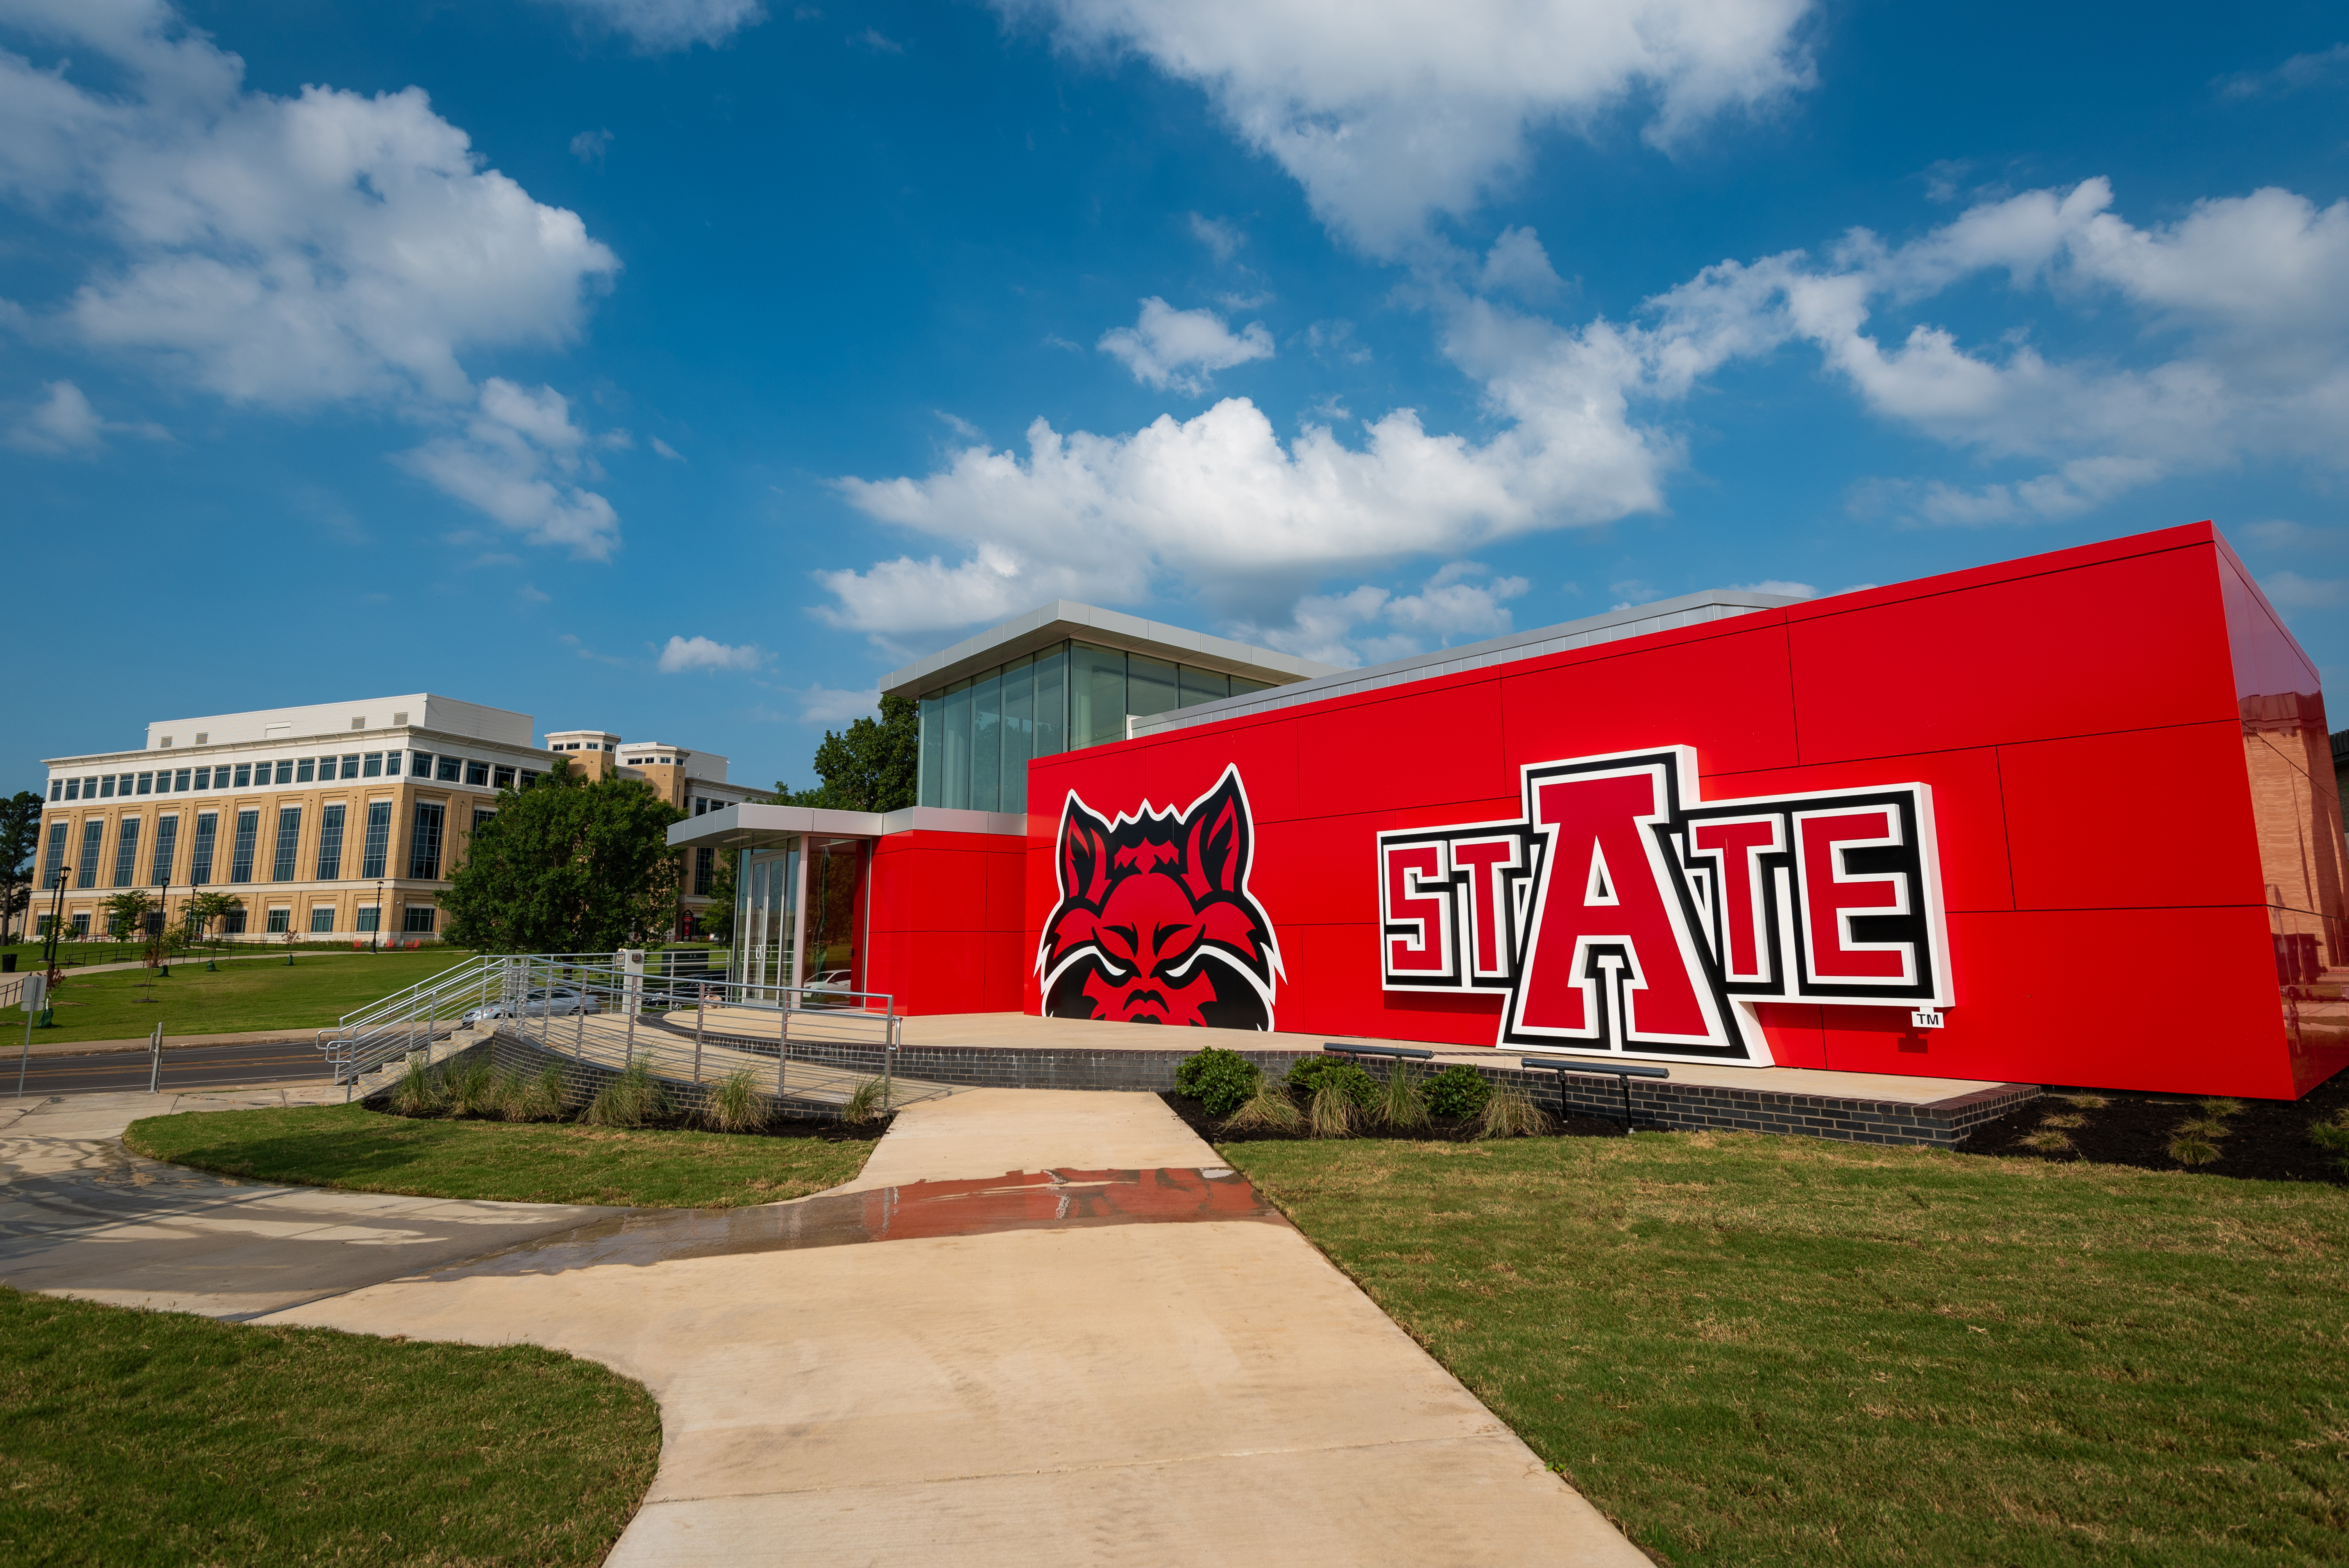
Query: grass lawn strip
(521, 1163)
(240, 995)
(139, 1437)
(1750, 1349)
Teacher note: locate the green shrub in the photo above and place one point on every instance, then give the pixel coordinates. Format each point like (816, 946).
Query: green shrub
(2334, 1135)
(1312, 1074)
(1220, 1080)
(1457, 1090)
(630, 1099)
(473, 1088)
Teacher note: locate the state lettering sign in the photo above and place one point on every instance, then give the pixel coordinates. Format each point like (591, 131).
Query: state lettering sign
(1621, 914)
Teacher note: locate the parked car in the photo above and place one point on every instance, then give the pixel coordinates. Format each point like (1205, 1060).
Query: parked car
(830, 988)
(549, 1002)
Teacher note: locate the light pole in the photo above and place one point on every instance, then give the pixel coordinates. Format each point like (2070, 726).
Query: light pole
(377, 946)
(49, 949)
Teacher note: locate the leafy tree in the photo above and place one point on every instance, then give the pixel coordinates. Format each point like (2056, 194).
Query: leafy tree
(203, 908)
(126, 913)
(718, 925)
(566, 866)
(20, 836)
(871, 765)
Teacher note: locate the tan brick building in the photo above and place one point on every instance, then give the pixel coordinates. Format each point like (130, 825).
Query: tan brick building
(332, 821)
(692, 782)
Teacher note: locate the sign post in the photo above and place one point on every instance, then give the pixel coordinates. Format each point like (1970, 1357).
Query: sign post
(35, 992)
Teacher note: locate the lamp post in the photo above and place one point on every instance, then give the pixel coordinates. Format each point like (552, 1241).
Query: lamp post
(50, 948)
(377, 946)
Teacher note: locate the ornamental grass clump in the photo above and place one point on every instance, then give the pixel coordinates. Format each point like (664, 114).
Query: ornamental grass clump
(868, 1104)
(538, 1098)
(735, 1105)
(1268, 1109)
(1510, 1112)
(1220, 1080)
(1333, 1111)
(631, 1099)
(418, 1091)
(1458, 1090)
(1401, 1107)
(473, 1088)
(1311, 1075)
(2333, 1135)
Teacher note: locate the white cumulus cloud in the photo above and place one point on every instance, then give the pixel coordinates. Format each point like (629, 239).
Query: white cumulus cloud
(659, 27)
(684, 653)
(1397, 110)
(518, 458)
(1181, 349)
(830, 705)
(1370, 625)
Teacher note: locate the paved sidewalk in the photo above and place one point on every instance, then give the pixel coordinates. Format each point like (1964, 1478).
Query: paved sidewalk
(1197, 1392)
(81, 1217)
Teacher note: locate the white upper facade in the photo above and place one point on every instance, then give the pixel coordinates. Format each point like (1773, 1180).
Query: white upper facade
(418, 710)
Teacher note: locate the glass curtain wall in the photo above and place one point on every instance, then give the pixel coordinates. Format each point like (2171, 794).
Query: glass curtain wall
(979, 734)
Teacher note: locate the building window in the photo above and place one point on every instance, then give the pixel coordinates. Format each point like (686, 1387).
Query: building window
(73, 788)
(179, 780)
(415, 919)
(322, 918)
(504, 781)
(200, 870)
(106, 788)
(52, 869)
(481, 817)
(244, 775)
(289, 838)
(529, 778)
(451, 769)
(374, 769)
(232, 923)
(81, 923)
(369, 918)
(240, 859)
(203, 778)
(281, 920)
(167, 838)
(476, 773)
(420, 765)
(391, 764)
(85, 874)
(126, 853)
(351, 765)
(56, 789)
(302, 768)
(705, 872)
(147, 783)
(285, 771)
(330, 843)
(378, 847)
(424, 843)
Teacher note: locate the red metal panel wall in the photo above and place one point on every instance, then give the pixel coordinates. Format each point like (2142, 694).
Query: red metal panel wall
(2083, 718)
(947, 932)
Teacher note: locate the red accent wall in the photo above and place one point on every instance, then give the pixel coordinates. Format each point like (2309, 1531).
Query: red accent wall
(2140, 841)
(948, 921)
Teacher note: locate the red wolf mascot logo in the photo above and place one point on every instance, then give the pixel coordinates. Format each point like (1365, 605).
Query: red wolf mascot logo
(1156, 922)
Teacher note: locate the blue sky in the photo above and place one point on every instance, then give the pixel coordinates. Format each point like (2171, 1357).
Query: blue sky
(681, 365)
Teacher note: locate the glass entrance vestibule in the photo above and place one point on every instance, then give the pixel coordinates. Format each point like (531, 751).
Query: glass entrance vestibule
(803, 918)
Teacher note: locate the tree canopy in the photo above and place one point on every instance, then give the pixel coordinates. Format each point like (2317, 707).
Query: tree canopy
(566, 866)
(871, 765)
(20, 836)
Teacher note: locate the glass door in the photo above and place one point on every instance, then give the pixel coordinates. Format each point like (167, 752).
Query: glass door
(835, 919)
(766, 922)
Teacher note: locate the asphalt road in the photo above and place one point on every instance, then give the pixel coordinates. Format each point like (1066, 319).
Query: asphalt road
(184, 1066)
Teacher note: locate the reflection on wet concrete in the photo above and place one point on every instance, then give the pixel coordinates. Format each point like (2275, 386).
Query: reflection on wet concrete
(1016, 1201)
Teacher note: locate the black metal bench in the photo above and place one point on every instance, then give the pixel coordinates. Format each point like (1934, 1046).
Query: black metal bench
(1622, 1073)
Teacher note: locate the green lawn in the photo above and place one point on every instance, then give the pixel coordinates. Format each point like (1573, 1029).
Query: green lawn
(1751, 1349)
(136, 1437)
(242, 993)
(526, 1162)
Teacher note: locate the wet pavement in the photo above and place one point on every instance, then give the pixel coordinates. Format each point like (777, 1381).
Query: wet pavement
(1016, 1201)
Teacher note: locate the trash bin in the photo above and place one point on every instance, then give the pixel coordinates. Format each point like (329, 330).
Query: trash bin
(7, 964)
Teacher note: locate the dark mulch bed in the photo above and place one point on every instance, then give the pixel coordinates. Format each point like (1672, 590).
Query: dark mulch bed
(2266, 1141)
(1439, 1130)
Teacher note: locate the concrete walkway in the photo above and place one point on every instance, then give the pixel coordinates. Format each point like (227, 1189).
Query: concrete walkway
(1150, 1393)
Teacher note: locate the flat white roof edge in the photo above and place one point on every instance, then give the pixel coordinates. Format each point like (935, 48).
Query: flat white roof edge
(1615, 625)
(750, 825)
(1065, 617)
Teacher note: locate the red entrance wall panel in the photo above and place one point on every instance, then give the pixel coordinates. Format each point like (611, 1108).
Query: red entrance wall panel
(1179, 770)
(1727, 692)
(2114, 642)
(947, 920)
(1401, 749)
